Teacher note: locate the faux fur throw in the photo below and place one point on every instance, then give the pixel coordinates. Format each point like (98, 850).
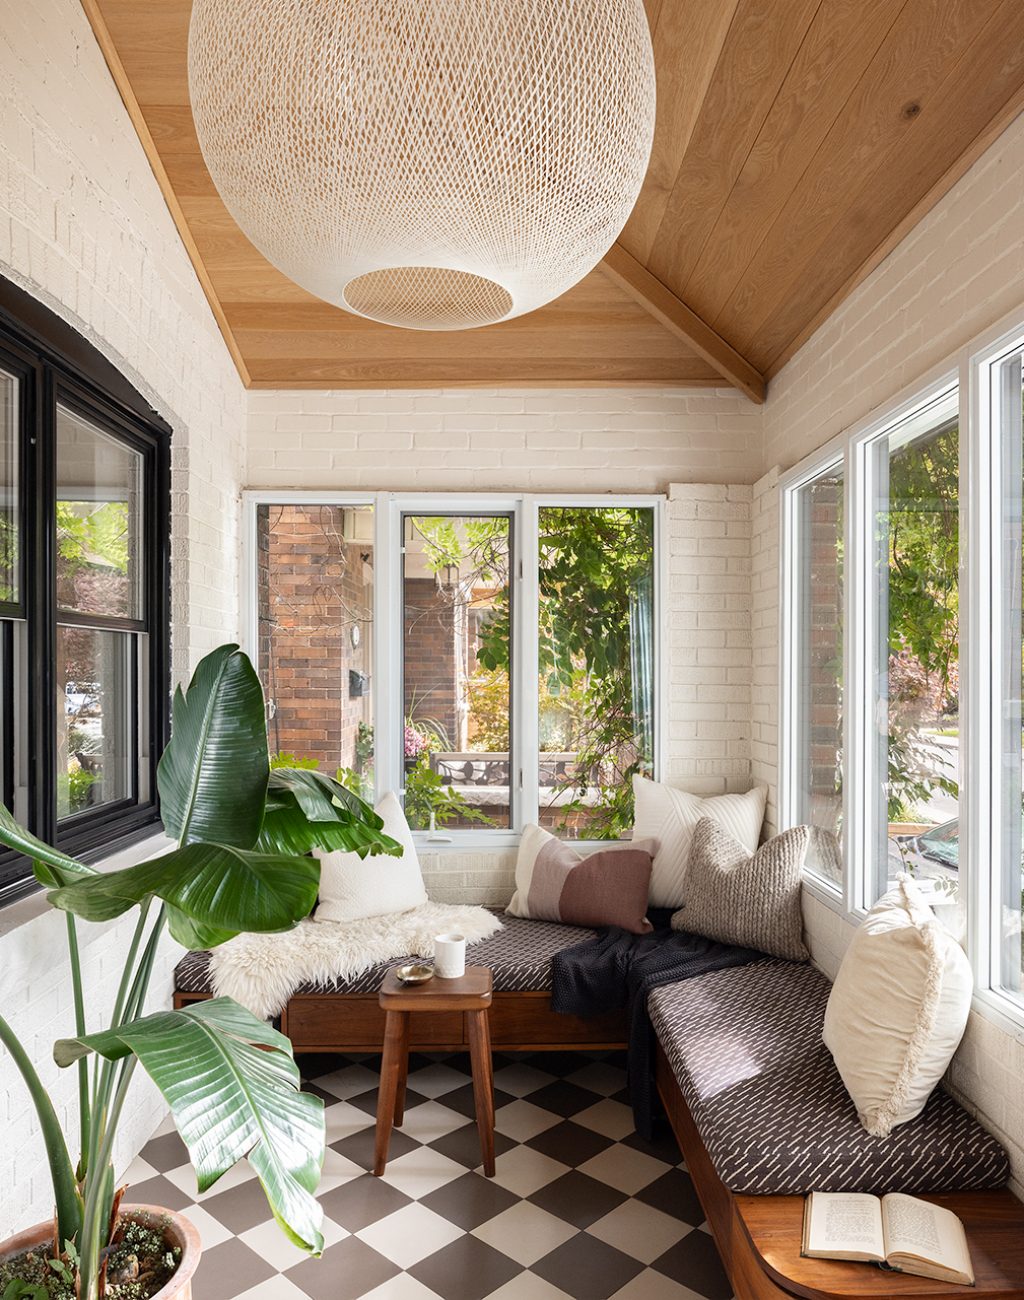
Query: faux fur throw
(262, 971)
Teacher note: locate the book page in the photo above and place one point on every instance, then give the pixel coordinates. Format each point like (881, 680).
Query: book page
(847, 1223)
(917, 1228)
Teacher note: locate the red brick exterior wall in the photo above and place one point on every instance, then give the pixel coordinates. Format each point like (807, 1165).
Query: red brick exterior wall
(312, 593)
(432, 656)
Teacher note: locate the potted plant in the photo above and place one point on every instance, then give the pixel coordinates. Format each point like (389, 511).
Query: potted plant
(241, 863)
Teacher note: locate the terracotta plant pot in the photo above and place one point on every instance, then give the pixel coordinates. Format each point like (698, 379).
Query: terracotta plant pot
(179, 1230)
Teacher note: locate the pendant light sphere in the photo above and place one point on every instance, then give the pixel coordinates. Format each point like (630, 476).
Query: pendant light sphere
(432, 164)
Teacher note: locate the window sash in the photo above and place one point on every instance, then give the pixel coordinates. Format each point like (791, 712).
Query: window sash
(989, 647)
(993, 375)
(388, 700)
(88, 385)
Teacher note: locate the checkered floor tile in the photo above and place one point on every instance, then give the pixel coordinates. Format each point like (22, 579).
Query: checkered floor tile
(581, 1208)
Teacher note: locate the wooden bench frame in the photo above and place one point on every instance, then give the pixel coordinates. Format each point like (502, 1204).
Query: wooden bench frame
(520, 1022)
(758, 1237)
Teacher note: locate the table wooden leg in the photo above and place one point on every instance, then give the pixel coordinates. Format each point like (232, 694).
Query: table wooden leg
(395, 1037)
(483, 1084)
(403, 1072)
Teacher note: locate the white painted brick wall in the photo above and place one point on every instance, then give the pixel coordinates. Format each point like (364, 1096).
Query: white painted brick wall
(489, 439)
(764, 619)
(708, 636)
(958, 271)
(84, 228)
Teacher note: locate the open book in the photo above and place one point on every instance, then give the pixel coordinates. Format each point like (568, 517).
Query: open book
(903, 1232)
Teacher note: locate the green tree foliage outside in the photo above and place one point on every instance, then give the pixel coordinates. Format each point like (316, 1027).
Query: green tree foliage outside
(921, 533)
(596, 586)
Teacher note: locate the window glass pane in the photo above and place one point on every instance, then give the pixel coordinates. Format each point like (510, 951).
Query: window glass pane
(7, 696)
(918, 725)
(99, 521)
(819, 671)
(457, 652)
(1009, 883)
(9, 473)
(315, 611)
(96, 718)
(596, 665)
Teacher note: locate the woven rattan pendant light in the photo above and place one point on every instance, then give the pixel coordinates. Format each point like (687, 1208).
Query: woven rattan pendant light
(434, 164)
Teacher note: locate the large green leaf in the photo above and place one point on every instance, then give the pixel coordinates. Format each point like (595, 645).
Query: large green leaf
(216, 886)
(233, 1089)
(307, 810)
(213, 774)
(52, 868)
(320, 797)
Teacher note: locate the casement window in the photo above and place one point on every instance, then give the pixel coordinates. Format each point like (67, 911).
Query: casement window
(902, 631)
(492, 659)
(871, 655)
(84, 522)
(815, 551)
(997, 623)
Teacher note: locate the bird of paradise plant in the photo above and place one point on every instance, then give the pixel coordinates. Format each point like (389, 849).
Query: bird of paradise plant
(241, 863)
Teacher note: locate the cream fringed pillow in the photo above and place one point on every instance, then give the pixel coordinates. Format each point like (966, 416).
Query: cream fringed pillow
(669, 816)
(751, 899)
(898, 1009)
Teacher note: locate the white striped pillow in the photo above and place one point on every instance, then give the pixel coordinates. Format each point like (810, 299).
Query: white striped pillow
(669, 816)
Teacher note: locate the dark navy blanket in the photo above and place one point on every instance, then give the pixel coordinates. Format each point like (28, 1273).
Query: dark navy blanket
(618, 969)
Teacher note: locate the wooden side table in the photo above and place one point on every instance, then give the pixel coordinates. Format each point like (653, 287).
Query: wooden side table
(471, 994)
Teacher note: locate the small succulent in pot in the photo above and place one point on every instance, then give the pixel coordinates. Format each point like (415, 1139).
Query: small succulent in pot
(242, 863)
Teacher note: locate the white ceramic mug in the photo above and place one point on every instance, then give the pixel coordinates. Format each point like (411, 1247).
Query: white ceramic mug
(450, 955)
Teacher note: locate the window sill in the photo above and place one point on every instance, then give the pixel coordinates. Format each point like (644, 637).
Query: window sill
(493, 841)
(25, 910)
(1001, 1011)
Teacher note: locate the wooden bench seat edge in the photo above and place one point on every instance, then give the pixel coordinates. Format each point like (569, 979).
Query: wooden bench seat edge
(758, 1237)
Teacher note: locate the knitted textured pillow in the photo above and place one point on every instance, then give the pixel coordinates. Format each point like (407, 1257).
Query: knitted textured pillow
(750, 899)
(609, 887)
(669, 815)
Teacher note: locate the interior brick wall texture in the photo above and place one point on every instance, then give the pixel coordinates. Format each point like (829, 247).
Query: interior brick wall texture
(959, 271)
(502, 440)
(84, 228)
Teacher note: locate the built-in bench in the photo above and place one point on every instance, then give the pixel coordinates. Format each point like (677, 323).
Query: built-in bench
(752, 1095)
(762, 1117)
(345, 1016)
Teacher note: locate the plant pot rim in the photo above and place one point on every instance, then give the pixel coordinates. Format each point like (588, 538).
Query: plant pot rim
(185, 1232)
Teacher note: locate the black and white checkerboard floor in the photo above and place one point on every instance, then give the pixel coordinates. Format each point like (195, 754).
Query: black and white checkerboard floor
(580, 1208)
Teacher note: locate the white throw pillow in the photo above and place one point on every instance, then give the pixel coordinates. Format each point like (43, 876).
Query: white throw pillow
(352, 887)
(670, 816)
(898, 1009)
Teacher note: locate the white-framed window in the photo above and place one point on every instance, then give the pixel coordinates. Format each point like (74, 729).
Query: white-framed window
(907, 536)
(870, 622)
(922, 705)
(493, 658)
(995, 840)
(813, 653)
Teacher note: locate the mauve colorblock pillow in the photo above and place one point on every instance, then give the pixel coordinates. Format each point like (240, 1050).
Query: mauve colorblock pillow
(555, 883)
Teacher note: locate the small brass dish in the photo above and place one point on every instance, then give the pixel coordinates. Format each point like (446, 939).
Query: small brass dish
(416, 972)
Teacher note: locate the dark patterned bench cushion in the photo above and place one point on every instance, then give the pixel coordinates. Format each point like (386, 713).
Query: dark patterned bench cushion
(745, 1046)
(519, 955)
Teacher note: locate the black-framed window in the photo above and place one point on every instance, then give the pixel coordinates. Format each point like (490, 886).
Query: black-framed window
(84, 607)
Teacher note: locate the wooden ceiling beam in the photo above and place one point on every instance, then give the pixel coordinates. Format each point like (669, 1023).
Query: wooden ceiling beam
(671, 312)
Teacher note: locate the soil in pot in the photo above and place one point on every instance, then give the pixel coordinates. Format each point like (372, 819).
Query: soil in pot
(143, 1259)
